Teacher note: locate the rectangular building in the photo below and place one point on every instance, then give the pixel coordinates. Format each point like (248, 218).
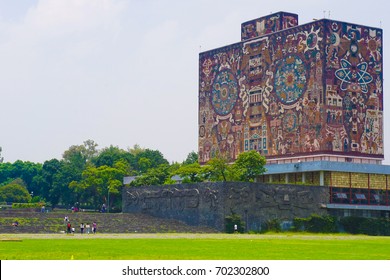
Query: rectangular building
(294, 93)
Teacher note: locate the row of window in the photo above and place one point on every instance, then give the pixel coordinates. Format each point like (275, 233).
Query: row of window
(359, 196)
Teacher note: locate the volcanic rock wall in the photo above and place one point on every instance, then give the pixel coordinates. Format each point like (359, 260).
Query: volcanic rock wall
(207, 204)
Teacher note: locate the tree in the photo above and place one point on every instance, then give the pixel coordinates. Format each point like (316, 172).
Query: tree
(6, 172)
(75, 160)
(81, 154)
(48, 181)
(108, 156)
(191, 158)
(248, 166)
(190, 173)
(150, 159)
(217, 169)
(90, 149)
(144, 164)
(136, 150)
(25, 170)
(153, 176)
(100, 184)
(15, 191)
(60, 192)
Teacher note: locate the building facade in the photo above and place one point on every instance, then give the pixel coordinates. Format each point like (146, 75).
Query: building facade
(307, 97)
(354, 189)
(294, 93)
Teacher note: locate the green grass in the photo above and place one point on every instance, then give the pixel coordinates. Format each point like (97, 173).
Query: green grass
(193, 247)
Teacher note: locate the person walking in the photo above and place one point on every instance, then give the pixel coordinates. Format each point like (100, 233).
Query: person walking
(68, 227)
(94, 227)
(88, 228)
(82, 228)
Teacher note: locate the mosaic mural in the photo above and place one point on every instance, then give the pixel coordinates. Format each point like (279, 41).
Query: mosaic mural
(268, 24)
(306, 89)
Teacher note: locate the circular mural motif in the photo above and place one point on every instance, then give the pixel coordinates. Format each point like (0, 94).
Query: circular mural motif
(224, 93)
(290, 121)
(202, 131)
(290, 79)
(311, 40)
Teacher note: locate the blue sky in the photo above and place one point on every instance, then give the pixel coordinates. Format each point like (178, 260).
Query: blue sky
(125, 72)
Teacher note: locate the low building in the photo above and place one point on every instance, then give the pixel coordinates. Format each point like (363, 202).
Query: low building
(355, 189)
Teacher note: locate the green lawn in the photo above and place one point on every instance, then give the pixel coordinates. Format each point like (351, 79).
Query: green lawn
(193, 247)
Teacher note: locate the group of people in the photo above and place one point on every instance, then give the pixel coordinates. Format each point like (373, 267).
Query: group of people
(88, 228)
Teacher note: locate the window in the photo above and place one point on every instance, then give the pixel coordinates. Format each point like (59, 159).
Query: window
(360, 196)
(259, 144)
(347, 212)
(366, 214)
(341, 195)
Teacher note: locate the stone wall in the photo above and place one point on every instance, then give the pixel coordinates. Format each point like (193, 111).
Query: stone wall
(207, 204)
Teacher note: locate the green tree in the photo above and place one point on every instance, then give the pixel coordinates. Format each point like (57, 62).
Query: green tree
(153, 176)
(79, 155)
(15, 191)
(217, 169)
(61, 193)
(6, 172)
(108, 156)
(136, 150)
(25, 170)
(75, 161)
(248, 166)
(144, 164)
(156, 157)
(101, 184)
(190, 173)
(48, 181)
(191, 158)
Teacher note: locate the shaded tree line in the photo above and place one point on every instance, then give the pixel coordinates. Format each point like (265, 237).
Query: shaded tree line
(88, 177)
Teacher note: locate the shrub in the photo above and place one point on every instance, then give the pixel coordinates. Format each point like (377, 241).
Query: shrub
(326, 224)
(299, 224)
(369, 226)
(28, 205)
(232, 220)
(316, 223)
(352, 224)
(375, 227)
(273, 225)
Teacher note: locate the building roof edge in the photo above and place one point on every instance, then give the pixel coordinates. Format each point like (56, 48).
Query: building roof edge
(327, 166)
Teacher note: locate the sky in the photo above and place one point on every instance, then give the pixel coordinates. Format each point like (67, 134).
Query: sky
(125, 72)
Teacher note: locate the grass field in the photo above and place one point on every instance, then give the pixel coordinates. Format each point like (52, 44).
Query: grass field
(193, 247)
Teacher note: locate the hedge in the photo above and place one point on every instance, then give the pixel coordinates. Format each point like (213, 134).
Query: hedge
(316, 223)
(28, 205)
(369, 226)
